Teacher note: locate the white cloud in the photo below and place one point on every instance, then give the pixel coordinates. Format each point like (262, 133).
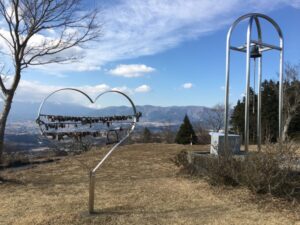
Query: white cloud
(133, 28)
(133, 70)
(187, 85)
(143, 89)
(123, 89)
(33, 91)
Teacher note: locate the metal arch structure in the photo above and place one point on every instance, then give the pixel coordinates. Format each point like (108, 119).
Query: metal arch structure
(262, 47)
(92, 173)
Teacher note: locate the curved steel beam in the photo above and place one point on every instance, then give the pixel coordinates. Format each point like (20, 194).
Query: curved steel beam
(62, 89)
(121, 93)
(54, 92)
(257, 15)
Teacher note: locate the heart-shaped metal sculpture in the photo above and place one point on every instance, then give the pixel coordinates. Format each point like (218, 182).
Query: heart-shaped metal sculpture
(77, 127)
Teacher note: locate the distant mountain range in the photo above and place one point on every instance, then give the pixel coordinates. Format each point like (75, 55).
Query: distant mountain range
(26, 111)
(22, 133)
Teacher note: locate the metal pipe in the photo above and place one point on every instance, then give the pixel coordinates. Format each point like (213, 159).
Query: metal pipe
(227, 90)
(59, 90)
(93, 172)
(91, 191)
(112, 149)
(246, 130)
(258, 122)
(266, 45)
(121, 93)
(238, 49)
(280, 91)
(259, 104)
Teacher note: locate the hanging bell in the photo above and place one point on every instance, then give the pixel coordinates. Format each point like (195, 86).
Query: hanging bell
(254, 52)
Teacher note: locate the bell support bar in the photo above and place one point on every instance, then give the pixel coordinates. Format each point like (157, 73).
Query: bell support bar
(263, 47)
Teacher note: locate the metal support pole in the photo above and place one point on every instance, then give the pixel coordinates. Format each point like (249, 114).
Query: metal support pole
(91, 192)
(227, 91)
(246, 131)
(280, 91)
(259, 104)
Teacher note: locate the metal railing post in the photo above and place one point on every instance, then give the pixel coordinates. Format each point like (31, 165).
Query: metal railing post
(91, 192)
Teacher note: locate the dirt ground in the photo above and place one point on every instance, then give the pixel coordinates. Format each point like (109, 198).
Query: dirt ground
(139, 184)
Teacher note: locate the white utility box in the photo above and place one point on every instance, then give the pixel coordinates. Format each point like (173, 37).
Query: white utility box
(217, 143)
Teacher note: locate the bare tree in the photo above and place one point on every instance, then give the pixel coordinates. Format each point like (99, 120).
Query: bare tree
(202, 133)
(291, 96)
(26, 25)
(167, 134)
(215, 117)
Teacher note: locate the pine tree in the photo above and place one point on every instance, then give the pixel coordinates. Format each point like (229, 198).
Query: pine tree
(186, 133)
(269, 113)
(269, 110)
(238, 117)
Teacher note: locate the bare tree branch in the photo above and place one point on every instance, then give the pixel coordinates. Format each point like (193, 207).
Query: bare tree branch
(28, 21)
(215, 117)
(291, 95)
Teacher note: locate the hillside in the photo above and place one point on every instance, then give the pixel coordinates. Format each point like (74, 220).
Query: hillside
(139, 184)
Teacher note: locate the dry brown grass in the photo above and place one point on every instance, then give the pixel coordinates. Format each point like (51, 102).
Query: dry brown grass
(139, 184)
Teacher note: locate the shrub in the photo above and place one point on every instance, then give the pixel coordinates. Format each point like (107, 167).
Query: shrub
(274, 170)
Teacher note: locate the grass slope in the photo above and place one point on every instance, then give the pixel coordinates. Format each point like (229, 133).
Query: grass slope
(139, 184)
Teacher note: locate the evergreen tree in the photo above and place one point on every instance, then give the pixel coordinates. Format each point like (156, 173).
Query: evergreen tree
(147, 135)
(186, 133)
(269, 113)
(238, 117)
(269, 110)
(294, 128)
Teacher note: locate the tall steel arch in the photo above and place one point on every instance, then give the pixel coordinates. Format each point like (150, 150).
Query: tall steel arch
(261, 47)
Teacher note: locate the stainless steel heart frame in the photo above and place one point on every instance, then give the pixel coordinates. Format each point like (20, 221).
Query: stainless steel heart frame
(262, 47)
(135, 119)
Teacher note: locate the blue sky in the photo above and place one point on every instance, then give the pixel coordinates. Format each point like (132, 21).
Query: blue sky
(164, 52)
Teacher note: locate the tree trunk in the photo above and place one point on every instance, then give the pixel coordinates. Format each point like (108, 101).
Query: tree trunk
(3, 120)
(9, 95)
(286, 126)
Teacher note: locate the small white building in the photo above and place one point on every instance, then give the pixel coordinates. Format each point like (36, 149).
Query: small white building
(217, 143)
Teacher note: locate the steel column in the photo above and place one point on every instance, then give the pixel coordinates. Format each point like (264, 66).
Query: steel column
(91, 192)
(246, 130)
(227, 90)
(259, 104)
(280, 90)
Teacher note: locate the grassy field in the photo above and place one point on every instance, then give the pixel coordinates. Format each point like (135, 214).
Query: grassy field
(139, 184)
